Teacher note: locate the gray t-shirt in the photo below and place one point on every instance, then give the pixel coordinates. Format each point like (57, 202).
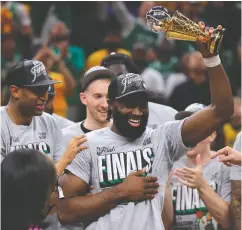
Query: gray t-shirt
(158, 114)
(62, 122)
(42, 134)
(111, 157)
(235, 173)
(189, 210)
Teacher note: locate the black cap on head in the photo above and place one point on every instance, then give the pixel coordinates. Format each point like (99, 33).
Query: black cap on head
(29, 73)
(127, 84)
(191, 109)
(120, 59)
(96, 73)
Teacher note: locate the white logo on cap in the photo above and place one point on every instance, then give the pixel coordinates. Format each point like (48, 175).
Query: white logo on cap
(131, 79)
(37, 70)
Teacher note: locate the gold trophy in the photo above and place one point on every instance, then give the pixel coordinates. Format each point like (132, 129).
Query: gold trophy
(180, 27)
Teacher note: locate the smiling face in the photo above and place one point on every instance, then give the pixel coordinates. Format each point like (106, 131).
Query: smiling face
(130, 115)
(31, 101)
(95, 98)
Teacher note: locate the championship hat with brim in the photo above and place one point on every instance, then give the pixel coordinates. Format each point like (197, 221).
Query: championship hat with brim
(29, 73)
(128, 84)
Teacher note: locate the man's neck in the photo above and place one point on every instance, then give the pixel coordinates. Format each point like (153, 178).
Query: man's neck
(16, 116)
(205, 157)
(92, 124)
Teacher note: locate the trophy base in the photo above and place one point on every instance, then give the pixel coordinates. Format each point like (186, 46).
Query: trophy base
(214, 43)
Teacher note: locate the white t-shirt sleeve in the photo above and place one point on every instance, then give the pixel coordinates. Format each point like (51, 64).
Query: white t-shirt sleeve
(225, 185)
(235, 173)
(173, 143)
(81, 165)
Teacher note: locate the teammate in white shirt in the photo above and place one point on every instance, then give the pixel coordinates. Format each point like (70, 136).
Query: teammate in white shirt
(201, 187)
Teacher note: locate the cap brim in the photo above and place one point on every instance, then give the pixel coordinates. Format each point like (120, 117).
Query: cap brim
(96, 75)
(43, 83)
(183, 114)
(150, 94)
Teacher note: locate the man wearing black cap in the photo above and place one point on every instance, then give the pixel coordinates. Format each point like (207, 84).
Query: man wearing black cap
(158, 113)
(114, 152)
(61, 121)
(24, 123)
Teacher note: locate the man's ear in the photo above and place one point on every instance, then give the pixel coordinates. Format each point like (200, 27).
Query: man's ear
(110, 104)
(15, 91)
(83, 98)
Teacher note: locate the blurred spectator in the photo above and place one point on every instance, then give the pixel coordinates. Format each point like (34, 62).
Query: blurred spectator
(166, 62)
(121, 63)
(39, 13)
(49, 108)
(135, 30)
(176, 79)
(63, 75)
(233, 127)
(153, 78)
(9, 55)
(22, 25)
(192, 9)
(196, 89)
(74, 59)
(234, 72)
(111, 43)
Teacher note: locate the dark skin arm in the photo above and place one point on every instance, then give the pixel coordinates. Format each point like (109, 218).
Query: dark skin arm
(80, 207)
(235, 205)
(201, 124)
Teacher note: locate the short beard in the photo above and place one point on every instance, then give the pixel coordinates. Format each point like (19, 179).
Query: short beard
(121, 122)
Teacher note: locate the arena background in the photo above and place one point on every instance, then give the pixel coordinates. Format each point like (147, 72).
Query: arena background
(88, 26)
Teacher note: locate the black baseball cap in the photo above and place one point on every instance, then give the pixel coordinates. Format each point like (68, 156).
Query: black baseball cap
(120, 59)
(96, 73)
(191, 109)
(29, 73)
(127, 84)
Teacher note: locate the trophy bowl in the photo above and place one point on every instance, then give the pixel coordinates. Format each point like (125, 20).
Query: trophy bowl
(180, 27)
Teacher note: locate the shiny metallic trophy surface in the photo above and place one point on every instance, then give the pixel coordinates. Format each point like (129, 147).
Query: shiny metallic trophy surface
(180, 27)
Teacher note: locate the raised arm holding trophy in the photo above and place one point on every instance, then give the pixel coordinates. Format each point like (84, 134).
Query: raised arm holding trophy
(180, 27)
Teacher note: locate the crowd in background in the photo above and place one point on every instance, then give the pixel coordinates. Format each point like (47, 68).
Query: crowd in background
(71, 37)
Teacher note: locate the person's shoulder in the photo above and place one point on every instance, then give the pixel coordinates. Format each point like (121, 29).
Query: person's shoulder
(75, 49)
(73, 128)
(3, 117)
(163, 109)
(46, 118)
(3, 109)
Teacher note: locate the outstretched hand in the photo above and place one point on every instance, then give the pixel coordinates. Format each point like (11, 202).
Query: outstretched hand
(229, 156)
(192, 177)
